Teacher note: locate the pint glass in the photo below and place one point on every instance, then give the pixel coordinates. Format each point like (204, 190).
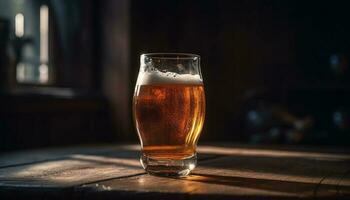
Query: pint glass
(169, 112)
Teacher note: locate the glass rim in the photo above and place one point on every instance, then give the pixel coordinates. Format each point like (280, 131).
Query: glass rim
(172, 56)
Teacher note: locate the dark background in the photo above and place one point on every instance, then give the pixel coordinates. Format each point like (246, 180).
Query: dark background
(275, 72)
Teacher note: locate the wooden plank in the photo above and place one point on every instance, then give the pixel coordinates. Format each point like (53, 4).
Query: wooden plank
(299, 172)
(223, 173)
(205, 152)
(334, 185)
(74, 170)
(242, 173)
(8, 159)
(276, 151)
(150, 187)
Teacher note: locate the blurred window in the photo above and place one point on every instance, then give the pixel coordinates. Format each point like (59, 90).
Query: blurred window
(49, 43)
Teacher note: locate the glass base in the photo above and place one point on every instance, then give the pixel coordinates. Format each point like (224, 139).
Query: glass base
(167, 167)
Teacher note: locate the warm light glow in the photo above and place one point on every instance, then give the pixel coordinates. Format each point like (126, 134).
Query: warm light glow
(44, 44)
(191, 166)
(43, 73)
(19, 25)
(272, 153)
(104, 159)
(76, 168)
(44, 34)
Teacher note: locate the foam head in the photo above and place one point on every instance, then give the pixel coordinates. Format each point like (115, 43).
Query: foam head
(157, 77)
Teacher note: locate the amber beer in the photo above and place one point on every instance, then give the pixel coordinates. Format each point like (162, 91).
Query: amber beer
(169, 109)
(169, 118)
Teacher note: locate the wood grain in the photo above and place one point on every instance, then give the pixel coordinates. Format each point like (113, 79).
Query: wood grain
(38, 155)
(240, 177)
(224, 172)
(64, 169)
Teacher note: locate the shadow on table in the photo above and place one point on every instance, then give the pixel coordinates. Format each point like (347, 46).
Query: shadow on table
(285, 186)
(295, 163)
(236, 162)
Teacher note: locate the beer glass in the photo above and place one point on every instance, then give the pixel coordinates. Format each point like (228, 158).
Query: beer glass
(169, 111)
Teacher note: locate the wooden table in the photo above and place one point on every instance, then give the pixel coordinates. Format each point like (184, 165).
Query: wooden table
(224, 172)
